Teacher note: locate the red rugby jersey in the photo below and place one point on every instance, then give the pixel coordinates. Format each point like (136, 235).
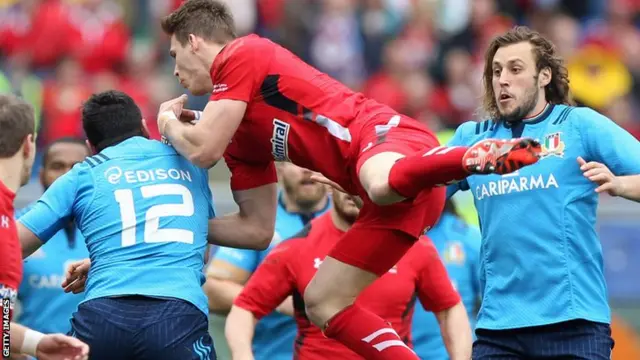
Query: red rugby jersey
(10, 250)
(288, 269)
(294, 113)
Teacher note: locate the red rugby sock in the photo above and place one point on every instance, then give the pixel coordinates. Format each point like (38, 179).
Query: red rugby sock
(368, 335)
(439, 166)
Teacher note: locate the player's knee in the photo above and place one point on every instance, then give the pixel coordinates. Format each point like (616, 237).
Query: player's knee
(380, 193)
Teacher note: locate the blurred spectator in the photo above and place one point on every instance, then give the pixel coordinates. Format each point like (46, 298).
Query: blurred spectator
(99, 36)
(386, 85)
(564, 32)
(379, 23)
(598, 76)
(37, 29)
(622, 111)
(244, 14)
(63, 96)
(336, 48)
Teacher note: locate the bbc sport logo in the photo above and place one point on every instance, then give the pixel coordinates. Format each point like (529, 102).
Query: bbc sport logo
(7, 300)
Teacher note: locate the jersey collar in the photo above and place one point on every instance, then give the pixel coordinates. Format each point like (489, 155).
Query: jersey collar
(534, 119)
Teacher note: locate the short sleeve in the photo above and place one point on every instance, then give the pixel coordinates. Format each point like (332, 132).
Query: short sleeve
(235, 73)
(54, 209)
(435, 290)
(244, 259)
(606, 142)
(272, 282)
(246, 176)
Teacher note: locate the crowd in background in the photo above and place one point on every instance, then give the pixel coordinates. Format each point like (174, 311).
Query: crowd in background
(422, 57)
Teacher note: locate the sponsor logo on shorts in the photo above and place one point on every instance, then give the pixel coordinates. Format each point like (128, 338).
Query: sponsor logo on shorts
(280, 141)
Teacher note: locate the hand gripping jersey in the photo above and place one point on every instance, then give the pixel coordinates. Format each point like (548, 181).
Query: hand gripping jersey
(10, 251)
(541, 260)
(288, 269)
(143, 211)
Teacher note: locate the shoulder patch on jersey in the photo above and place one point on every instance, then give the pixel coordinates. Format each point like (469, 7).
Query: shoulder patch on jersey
(563, 115)
(552, 145)
(454, 253)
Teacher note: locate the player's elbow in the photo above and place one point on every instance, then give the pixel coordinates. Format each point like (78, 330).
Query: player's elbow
(262, 238)
(205, 158)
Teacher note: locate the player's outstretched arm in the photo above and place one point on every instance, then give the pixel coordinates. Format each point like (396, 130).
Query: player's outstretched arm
(456, 331)
(436, 294)
(225, 280)
(28, 240)
(253, 226)
(46, 347)
(50, 213)
(627, 187)
(205, 142)
(239, 329)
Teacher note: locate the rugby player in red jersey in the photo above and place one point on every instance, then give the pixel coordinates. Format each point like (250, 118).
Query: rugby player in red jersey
(17, 153)
(289, 267)
(268, 105)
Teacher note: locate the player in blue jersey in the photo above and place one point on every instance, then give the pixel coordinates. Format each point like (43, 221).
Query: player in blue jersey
(44, 305)
(459, 246)
(143, 211)
(299, 202)
(541, 264)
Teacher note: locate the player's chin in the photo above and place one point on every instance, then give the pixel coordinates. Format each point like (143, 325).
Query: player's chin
(197, 90)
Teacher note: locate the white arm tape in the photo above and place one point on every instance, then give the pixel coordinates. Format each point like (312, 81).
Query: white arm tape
(30, 343)
(169, 115)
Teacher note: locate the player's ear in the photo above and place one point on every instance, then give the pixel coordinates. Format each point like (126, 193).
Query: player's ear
(29, 146)
(545, 77)
(145, 129)
(193, 42)
(92, 149)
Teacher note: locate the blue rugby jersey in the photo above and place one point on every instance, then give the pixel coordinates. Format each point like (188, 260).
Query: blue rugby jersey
(541, 260)
(143, 210)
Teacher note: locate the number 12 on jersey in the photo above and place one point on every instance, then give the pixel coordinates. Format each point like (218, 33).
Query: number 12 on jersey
(152, 232)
